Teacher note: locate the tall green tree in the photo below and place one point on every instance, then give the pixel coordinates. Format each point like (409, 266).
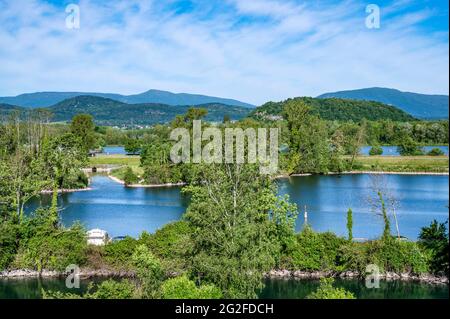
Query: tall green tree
(239, 224)
(350, 224)
(309, 145)
(82, 126)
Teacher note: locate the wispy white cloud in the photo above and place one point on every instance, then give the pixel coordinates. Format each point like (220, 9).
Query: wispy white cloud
(250, 50)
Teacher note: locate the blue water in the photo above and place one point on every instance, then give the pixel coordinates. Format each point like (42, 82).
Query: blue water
(129, 211)
(392, 150)
(120, 210)
(114, 150)
(419, 199)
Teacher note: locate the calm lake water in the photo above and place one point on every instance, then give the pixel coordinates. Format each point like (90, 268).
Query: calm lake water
(120, 210)
(387, 150)
(114, 150)
(275, 288)
(392, 150)
(418, 200)
(129, 211)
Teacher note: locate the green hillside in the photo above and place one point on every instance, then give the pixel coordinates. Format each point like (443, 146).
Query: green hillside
(423, 106)
(110, 112)
(336, 109)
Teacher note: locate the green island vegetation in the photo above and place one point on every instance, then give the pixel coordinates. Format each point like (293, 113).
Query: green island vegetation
(235, 229)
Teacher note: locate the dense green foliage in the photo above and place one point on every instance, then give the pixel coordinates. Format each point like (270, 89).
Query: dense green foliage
(327, 291)
(350, 224)
(408, 147)
(435, 152)
(434, 239)
(425, 106)
(108, 289)
(336, 109)
(375, 150)
(82, 126)
(183, 288)
(129, 177)
(239, 225)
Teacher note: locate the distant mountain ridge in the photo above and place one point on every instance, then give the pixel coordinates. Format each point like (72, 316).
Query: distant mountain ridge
(423, 106)
(111, 112)
(46, 99)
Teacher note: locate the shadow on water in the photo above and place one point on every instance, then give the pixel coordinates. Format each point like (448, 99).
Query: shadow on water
(299, 289)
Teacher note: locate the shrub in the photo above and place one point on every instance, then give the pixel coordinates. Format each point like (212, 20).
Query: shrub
(409, 147)
(183, 288)
(327, 291)
(375, 150)
(149, 271)
(9, 235)
(168, 240)
(112, 289)
(391, 254)
(352, 256)
(119, 253)
(316, 251)
(108, 289)
(435, 152)
(130, 177)
(53, 248)
(434, 239)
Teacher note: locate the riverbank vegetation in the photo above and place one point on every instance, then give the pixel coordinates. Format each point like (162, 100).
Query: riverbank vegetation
(235, 229)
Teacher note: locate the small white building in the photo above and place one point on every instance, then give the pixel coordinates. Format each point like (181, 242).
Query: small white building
(97, 237)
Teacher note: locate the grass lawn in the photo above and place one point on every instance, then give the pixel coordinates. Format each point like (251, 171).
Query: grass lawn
(435, 164)
(131, 160)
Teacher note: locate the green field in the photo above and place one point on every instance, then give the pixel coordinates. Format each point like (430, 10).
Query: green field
(131, 160)
(433, 164)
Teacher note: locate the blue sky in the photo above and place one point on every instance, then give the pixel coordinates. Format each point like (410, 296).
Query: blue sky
(255, 51)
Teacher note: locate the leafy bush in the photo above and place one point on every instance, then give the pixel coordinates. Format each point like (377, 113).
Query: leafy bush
(375, 150)
(149, 271)
(119, 253)
(109, 289)
(9, 240)
(434, 239)
(391, 254)
(327, 291)
(112, 289)
(130, 177)
(47, 247)
(171, 244)
(316, 251)
(408, 147)
(435, 152)
(183, 288)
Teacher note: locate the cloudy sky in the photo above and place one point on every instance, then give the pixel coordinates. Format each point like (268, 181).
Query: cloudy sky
(251, 50)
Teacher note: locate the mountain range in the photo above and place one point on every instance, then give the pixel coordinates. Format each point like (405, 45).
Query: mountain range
(111, 112)
(154, 106)
(423, 106)
(46, 99)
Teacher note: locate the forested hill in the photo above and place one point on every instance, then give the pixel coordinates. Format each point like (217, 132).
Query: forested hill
(6, 109)
(336, 109)
(110, 112)
(47, 99)
(424, 106)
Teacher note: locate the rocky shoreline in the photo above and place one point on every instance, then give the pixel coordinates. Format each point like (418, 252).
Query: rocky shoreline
(298, 274)
(84, 273)
(273, 274)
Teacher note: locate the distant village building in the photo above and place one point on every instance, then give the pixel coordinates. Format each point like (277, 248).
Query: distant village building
(97, 237)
